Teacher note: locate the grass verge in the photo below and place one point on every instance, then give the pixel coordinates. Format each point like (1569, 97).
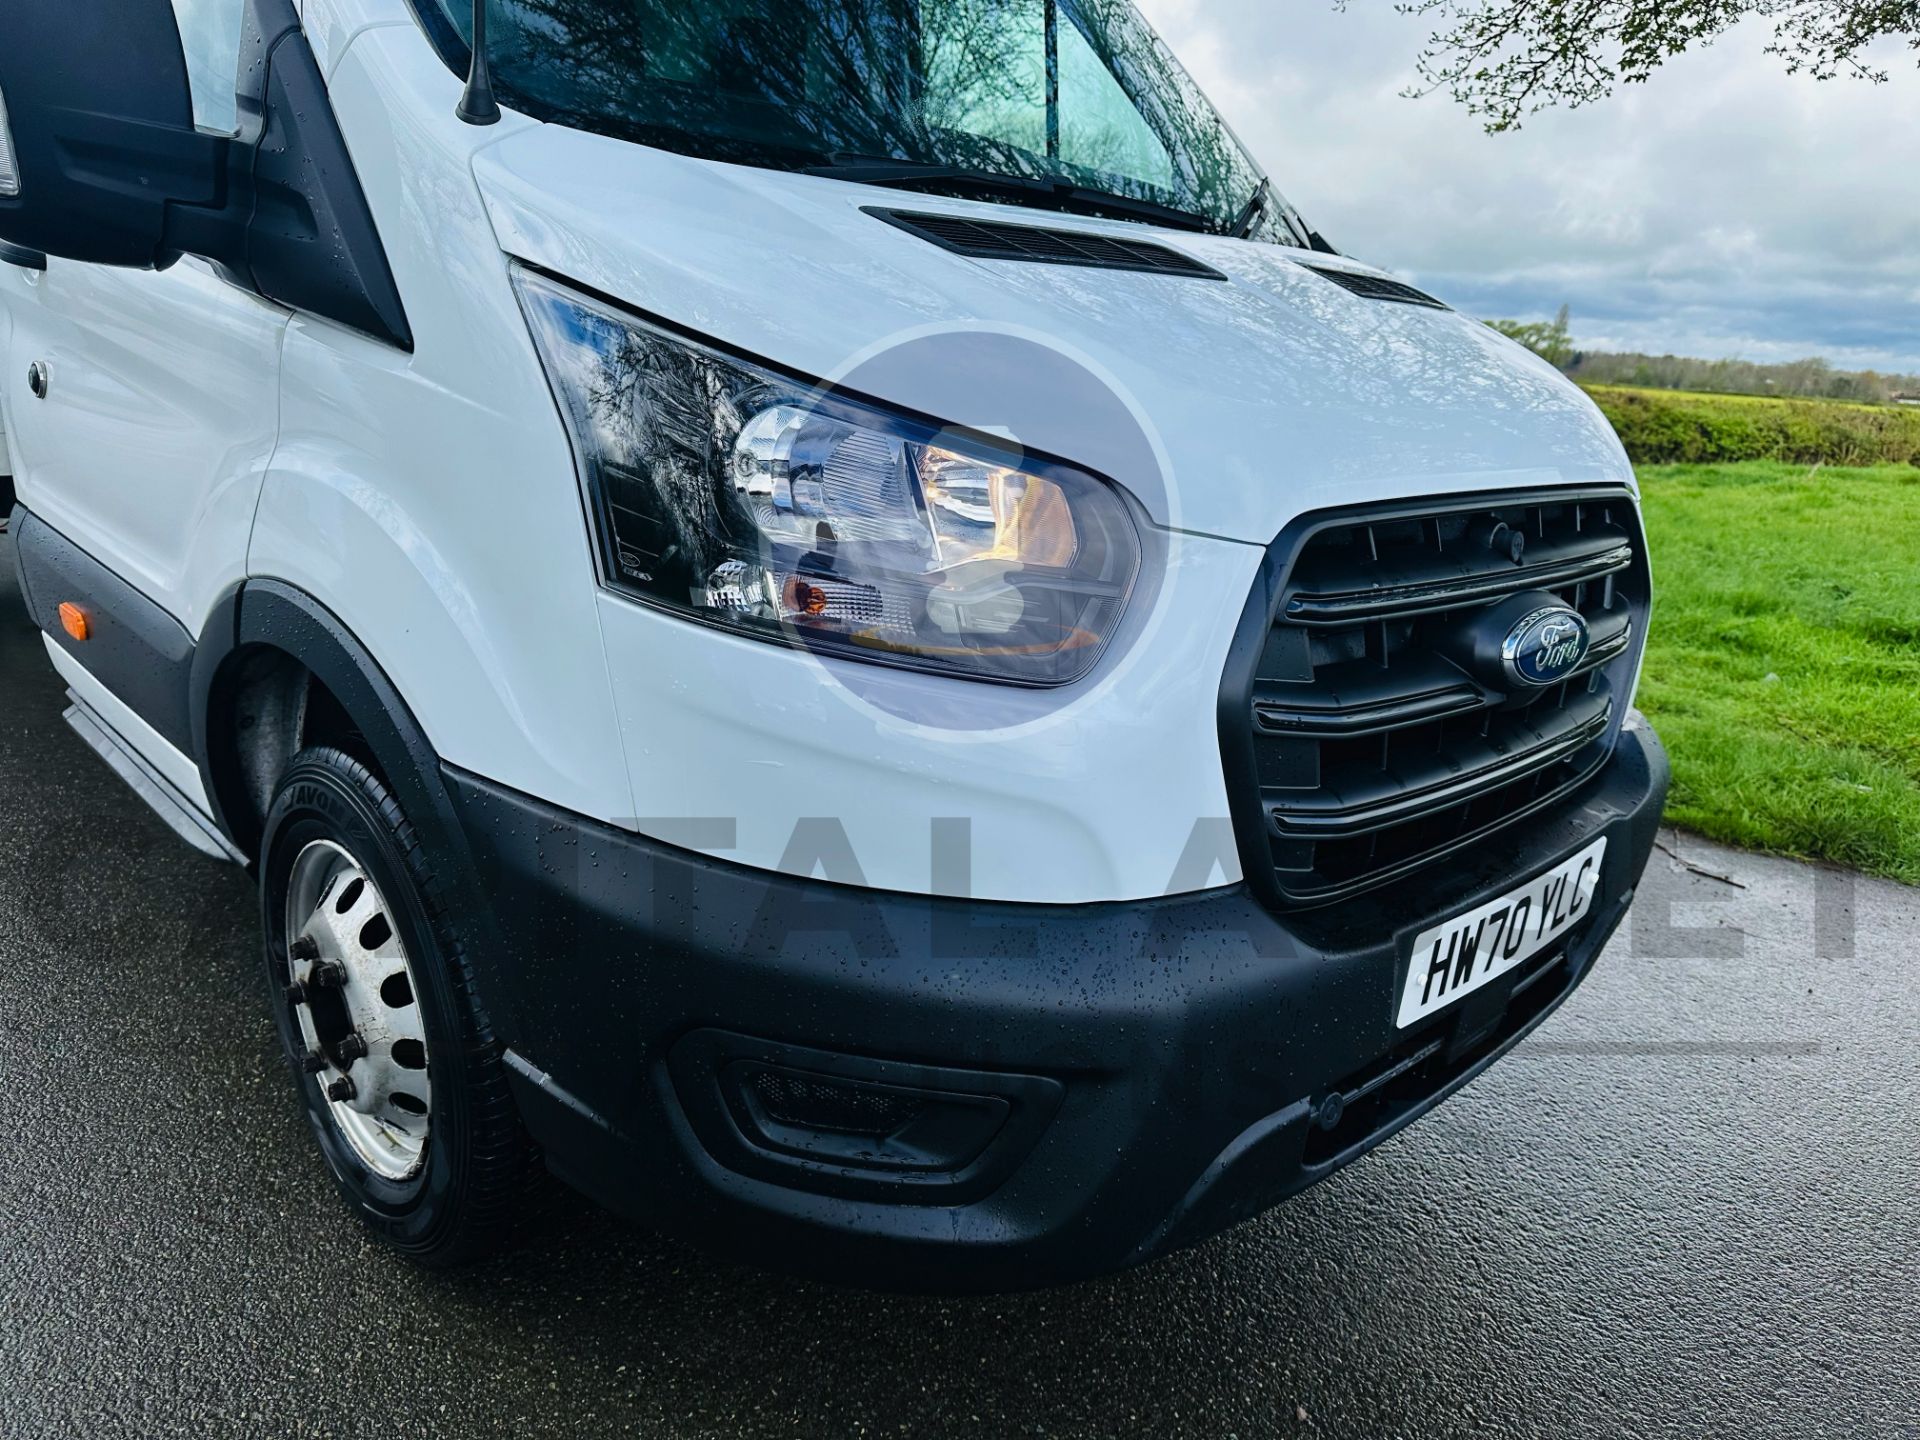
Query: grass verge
(1783, 668)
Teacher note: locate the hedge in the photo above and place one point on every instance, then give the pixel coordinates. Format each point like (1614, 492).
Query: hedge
(1669, 427)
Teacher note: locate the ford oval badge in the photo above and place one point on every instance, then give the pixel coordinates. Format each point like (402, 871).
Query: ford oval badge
(1546, 646)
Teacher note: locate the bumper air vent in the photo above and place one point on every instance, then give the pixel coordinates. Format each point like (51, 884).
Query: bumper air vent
(996, 240)
(1367, 735)
(840, 1107)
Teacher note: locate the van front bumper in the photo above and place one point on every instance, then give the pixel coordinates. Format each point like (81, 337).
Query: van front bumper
(936, 1094)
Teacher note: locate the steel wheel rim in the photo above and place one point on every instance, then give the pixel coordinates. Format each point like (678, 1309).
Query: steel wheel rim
(356, 1004)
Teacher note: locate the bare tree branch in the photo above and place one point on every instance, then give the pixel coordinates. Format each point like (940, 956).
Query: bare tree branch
(1508, 59)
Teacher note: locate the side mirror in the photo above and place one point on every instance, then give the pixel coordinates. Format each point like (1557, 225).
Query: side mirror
(100, 161)
(97, 141)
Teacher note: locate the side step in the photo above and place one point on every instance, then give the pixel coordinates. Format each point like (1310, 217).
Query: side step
(161, 797)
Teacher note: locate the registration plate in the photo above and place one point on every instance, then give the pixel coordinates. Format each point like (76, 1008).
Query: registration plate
(1453, 960)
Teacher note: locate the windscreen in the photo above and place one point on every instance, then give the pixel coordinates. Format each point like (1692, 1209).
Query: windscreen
(1077, 93)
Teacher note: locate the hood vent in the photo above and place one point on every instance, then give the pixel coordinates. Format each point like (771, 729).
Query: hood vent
(995, 240)
(1378, 287)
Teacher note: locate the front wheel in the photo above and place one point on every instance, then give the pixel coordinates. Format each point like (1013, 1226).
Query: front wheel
(402, 1080)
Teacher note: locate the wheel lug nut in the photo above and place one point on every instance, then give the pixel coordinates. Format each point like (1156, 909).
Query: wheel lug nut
(296, 994)
(340, 1091)
(327, 975)
(313, 1062)
(305, 947)
(350, 1049)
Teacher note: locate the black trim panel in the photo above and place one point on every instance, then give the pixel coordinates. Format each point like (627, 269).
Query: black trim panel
(218, 639)
(312, 242)
(22, 256)
(136, 649)
(1151, 1042)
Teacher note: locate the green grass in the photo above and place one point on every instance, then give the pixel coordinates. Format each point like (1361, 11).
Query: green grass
(1783, 668)
(1662, 427)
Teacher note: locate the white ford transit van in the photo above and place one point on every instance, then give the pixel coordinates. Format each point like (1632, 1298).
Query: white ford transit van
(825, 617)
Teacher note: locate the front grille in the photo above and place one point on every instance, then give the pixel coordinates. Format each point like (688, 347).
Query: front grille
(1363, 738)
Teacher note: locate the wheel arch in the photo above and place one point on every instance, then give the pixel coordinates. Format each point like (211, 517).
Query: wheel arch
(266, 626)
(273, 655)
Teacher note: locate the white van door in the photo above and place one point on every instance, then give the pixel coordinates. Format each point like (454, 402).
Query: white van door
(145, 410)
(143, 405)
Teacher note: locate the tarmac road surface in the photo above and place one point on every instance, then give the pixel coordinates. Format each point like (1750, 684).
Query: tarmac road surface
(1689, 1206)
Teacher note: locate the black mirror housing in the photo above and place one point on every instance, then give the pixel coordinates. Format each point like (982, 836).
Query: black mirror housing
(101, 114)
(113, 172)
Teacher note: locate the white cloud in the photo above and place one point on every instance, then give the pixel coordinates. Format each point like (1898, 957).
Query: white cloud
(1724, 208)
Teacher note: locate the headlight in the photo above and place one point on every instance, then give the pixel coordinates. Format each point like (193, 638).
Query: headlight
(737, 496)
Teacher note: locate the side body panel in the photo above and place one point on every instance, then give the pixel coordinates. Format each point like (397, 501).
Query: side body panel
(428, 500)
(332, 25)
(160, 417)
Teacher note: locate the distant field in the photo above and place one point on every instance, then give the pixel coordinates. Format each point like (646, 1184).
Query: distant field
(1784, 665)
(1663, 427)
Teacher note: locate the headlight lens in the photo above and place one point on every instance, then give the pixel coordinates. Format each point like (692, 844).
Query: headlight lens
(737, 496)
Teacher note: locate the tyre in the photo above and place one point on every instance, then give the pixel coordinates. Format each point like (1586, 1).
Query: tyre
(402, 1080)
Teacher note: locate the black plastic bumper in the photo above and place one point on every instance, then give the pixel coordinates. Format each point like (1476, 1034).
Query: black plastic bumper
(1094, 1085)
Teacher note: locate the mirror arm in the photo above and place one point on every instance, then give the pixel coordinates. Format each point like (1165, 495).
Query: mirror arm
(116, 172)
(307, 236)
(290, 221)
(216, 231)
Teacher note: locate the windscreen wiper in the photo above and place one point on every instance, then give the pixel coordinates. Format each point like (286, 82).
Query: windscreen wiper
(1305, 234)
(994, 184)
(1256, 207)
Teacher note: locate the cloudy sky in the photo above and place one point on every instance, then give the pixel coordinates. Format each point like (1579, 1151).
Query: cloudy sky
(1723, 210)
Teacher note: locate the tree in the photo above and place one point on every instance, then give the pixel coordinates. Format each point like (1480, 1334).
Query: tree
(1508, 59)
(1552, 343)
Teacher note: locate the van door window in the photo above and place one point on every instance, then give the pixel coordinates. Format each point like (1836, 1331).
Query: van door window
(210, 35)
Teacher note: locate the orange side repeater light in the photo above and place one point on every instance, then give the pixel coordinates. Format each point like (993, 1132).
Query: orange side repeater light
(74, 620)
